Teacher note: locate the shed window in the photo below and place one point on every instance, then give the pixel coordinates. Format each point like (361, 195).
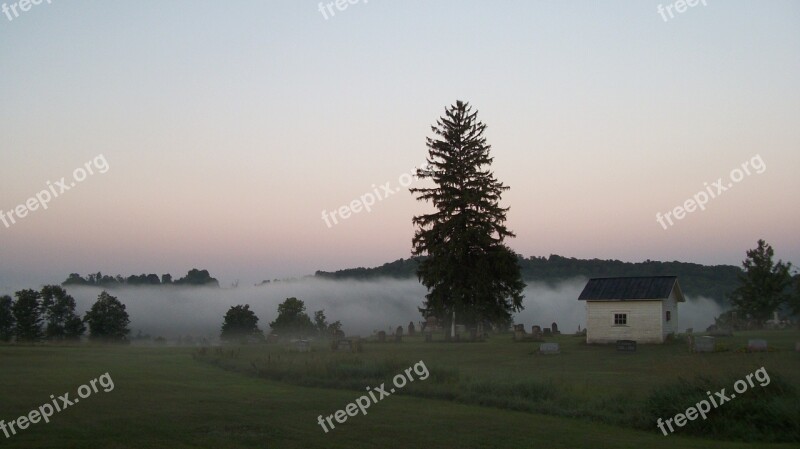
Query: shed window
(669, 315)
(620, 319)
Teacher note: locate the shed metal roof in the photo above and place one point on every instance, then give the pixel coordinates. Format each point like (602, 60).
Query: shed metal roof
(631, 288)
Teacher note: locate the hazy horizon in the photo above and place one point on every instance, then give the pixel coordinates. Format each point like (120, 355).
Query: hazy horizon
(363, 306)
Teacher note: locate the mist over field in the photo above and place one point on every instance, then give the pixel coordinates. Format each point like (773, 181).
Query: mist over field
(362, 306)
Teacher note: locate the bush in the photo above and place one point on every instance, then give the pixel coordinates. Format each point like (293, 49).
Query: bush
(765, 414)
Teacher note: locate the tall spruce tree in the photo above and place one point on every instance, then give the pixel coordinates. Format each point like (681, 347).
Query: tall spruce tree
(764, 284)
(468, 270)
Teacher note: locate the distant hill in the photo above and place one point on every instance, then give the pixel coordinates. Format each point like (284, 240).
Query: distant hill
(714, 282)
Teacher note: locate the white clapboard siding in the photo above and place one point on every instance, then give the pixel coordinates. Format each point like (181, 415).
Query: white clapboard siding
(644, 324)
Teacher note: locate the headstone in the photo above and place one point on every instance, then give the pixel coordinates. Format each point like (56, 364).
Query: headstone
(704, 344)
(756, 345)
(626, 345)
(554, 327)
(519, 335)
(536, 332)
(428, 337)
(399, 331)
(382, 336)
(519, 327)
(549, 348)
(344, 346)
(461, 329)
(797, 346)
(547, 332)
(398, 338)
(411, 329)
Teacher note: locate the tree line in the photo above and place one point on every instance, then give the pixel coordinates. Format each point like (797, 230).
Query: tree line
(715, 282)
(49, 315)
(194, 277)
(240, 324)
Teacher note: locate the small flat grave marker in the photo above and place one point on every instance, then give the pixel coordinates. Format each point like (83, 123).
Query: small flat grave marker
(756, 345)
(549, 348)
(626, 345)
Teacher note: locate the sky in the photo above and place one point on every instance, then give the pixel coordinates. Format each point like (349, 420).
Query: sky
(214, 135)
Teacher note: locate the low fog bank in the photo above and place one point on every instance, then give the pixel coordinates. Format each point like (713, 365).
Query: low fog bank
(362, 306)
(698, 313)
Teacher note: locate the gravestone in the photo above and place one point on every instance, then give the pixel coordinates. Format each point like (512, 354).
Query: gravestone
(554, 327)
(302, 346)
(547, 332)
(626, 345)
(399, 331)
(411, 329)
(519, 335)
(519, 327)
(704, 344)
(398, 338)
(382, 336)
(549, 348)
(797, 346)
(536, 332)
(461, 329)
(428, 337)
(344, 346)
(756, 345)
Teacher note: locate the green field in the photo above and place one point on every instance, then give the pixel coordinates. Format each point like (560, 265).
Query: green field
(496, 394)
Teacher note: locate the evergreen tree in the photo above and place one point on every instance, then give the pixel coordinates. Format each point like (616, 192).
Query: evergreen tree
(28, 316)
(764, 284)
(240, 324)
(107, 319)
(6, 318)
(59, 314)
(468, 269)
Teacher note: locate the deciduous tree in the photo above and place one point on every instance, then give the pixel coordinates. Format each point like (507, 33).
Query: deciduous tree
(292, 319)
(6, 318)
(108, 321)
(61, 321)
(28, 316)
(240, 324)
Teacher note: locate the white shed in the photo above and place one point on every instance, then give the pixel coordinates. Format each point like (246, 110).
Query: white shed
(643, 309)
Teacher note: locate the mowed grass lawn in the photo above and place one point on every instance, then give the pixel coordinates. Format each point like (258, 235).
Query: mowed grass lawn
(163, 398)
